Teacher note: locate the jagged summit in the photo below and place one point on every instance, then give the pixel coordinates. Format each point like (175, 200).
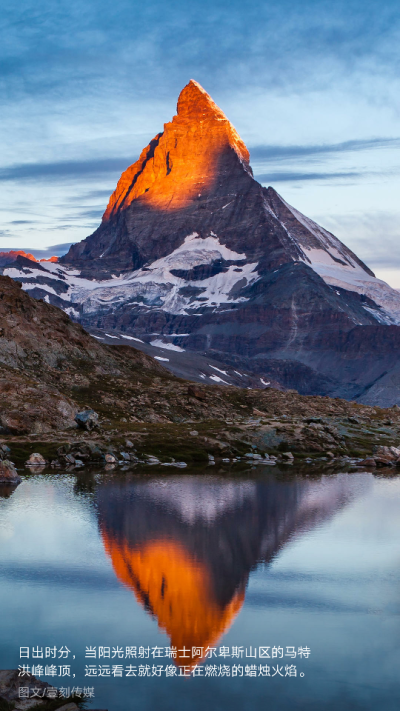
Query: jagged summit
(183, 161)
(195, 102)
(14, 254)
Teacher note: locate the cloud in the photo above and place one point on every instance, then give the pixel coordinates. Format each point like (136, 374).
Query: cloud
(98, 167)
(374, 237)
(62, 170)
(282, 153)
(92, 195)
(95, 214)
(291, 176)
(99, 47)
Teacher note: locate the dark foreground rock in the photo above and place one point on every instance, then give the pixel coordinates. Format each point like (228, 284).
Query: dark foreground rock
(8, 473)
(87, 419)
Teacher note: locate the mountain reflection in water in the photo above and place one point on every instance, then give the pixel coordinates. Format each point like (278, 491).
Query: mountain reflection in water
(186, 545)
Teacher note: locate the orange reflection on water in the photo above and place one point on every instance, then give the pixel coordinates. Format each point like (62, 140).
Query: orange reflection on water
(177, 589)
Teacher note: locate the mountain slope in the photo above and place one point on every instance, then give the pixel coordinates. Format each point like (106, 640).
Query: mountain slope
(195, 254)
(46, 359)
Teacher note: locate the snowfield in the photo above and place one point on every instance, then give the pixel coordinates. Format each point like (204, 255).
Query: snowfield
(155, 286)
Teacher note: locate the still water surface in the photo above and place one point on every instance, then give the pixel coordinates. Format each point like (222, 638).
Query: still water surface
(122, 560)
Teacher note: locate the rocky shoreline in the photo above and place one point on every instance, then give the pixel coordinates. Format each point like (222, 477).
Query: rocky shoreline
(318, 431)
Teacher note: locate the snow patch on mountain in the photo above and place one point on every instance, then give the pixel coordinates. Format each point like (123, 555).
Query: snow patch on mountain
(195, 251)
(217, 379)
(354, 278)
(339, 267)
(158, 343)
(131, 338)
(153, 285)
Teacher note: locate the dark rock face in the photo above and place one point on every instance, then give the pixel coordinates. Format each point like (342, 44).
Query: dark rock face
(87, 419)
(193, 249)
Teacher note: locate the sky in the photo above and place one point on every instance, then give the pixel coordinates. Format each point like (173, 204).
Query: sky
(312, 86)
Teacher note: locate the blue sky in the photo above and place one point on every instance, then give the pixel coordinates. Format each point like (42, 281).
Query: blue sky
(311, 86)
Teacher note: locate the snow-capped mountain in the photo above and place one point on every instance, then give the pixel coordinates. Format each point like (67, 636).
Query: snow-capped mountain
(194, 253)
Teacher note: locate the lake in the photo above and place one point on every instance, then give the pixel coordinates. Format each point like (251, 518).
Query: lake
(264, 589)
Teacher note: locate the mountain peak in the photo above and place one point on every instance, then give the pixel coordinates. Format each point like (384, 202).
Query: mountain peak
(186, 160)
(195, 103)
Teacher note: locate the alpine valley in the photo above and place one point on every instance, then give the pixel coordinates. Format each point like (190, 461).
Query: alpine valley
(197, 262)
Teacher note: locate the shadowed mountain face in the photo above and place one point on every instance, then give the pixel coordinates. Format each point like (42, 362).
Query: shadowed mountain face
(194, 250)
(186, 547)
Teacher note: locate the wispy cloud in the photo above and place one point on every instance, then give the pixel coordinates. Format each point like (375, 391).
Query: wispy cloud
(375, 237)
(98, 167)
(93, 195)
(64, 169)
(285, 176)
(48, 49)
(22, 222)
(290, 152)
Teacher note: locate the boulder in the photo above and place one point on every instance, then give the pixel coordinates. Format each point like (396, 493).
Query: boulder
(95, 452)
(87, 419)
(287, 455)
(390, 453)
(35, 460)
(196, 392)
(8, 473)
(111, 459)
(384, 461)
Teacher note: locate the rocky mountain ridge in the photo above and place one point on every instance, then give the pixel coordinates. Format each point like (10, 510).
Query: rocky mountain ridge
(7, 258)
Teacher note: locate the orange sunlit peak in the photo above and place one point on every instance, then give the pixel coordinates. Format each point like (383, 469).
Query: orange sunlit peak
(169, 169)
